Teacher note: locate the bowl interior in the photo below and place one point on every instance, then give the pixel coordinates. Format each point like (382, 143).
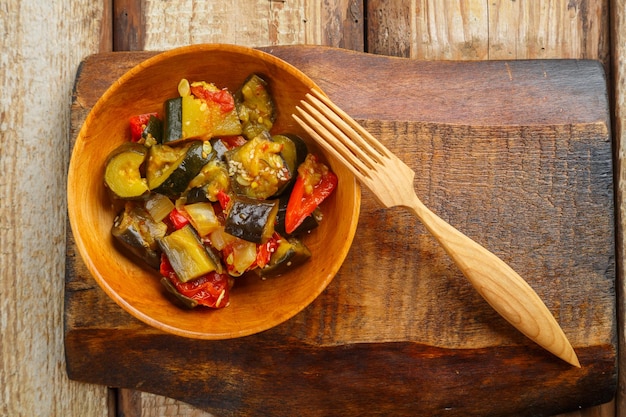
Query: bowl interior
(256, 304)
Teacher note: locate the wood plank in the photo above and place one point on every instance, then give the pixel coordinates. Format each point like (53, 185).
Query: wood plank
(128, 25)
(334, 328)
(41, 46)
(618, 55)
(478, 30)
(429, 33)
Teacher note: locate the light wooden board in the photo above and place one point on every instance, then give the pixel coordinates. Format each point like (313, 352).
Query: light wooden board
(41, 45)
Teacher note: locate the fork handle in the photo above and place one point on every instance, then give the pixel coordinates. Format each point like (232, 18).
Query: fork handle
(499, 285)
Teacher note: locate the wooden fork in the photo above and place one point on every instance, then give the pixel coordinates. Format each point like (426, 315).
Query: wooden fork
(391, 181)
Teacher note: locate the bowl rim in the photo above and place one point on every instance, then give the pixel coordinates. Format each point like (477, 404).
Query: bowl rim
(79, 238)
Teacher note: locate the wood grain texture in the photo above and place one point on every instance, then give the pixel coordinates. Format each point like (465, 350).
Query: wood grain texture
(41, 47)
(618, 53)
(349, 326)
(478, 30)
(259, 23)
(429, 30)
(128, 25)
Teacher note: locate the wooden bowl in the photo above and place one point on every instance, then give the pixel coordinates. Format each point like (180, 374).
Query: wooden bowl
(255, 305)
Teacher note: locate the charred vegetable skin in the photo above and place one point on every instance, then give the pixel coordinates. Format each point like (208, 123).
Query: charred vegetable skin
(250, 219)
(210, 194)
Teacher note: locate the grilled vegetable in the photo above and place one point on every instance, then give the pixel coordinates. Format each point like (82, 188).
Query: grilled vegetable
(173, 120)
(315, 182)
(257, 168)
(294, 152)
(255, 106)
(250, 219)
(137, 231)
(122, 173)
(159, 206)
(146, 127)
(290, 253)
(186, 253)
(170, 169)
(202, 217)
(309, 223)
(211, 290)
(212, 179)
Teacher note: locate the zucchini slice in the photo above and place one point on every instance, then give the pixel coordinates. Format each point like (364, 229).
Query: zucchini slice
(172, 120)
(255, 106)
(153, 133)
(250, 219)
(122, 174)
(187, 254)
(170, 169)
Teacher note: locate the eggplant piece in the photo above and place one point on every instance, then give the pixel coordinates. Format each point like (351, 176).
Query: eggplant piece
(137, 231)
(255, 106)
(186, 301)
(257, 168)
(290, 253)
(294, 153)
(187, 254)
(250, 219)
(170, 169)
(153, 132)
(172, 120)
(122, 173)
(310, 222)
(212, 178)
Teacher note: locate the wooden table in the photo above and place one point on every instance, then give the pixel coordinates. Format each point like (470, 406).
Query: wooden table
(36, 119)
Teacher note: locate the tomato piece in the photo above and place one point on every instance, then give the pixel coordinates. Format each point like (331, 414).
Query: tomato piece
(138, 124)
(265, 250)
(315, 182)
(232, 142)
(224, 98)
(211, 290)
(178, 219)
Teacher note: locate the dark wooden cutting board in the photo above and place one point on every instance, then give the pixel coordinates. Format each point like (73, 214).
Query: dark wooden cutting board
(516, 154)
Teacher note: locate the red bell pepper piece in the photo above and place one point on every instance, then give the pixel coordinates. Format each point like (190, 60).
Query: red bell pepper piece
(211, 290)
(178, 219)
(138, 124)
(314, 183)
(223, 199)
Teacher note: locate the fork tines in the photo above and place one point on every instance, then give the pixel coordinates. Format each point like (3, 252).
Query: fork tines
(340, 134)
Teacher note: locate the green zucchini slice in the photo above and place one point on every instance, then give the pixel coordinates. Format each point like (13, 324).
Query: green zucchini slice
(171, 168)
(172, 120)
(122, 174)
